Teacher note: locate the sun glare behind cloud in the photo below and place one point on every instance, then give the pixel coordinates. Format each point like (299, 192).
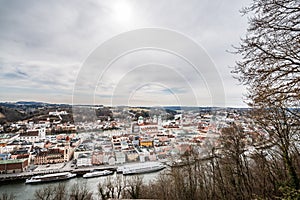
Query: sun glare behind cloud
(122, 12)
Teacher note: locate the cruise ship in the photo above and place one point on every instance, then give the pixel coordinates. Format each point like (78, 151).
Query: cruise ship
(50, 177)
(97, 174)
(140, 168)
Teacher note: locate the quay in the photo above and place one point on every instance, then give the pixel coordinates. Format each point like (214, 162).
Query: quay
(79, 171)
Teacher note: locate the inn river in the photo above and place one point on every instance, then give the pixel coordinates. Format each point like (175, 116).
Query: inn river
(23, 191)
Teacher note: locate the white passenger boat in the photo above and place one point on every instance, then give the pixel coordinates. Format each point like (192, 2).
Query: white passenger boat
(141, 168)
(50, 177)
(97, 173)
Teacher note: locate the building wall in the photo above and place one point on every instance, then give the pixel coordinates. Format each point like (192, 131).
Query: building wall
(146, 143)
(120, 157)
(30, 138)
(132, 157)
(97, 159)
(49, 159)
(68, 153)
(84, 162)
(76, 153)
(16, 167)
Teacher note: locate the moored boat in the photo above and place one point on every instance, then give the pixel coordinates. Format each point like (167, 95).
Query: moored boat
(180, 163)
(97, 173)
(141, 168)
(50, 177)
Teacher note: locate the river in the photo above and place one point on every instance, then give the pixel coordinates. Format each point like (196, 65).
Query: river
(23, 191)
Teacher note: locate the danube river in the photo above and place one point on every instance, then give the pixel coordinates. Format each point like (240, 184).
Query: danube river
(24, 191)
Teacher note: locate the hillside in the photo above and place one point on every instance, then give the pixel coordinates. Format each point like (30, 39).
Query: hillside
(10, 115)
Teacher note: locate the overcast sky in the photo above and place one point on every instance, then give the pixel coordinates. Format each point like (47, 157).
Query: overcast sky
(44, 46)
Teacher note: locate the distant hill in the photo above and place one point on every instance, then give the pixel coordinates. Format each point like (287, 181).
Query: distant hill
(10, 114)
(31, 104)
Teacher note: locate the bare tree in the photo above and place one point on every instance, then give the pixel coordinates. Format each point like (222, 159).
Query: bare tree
(233, 166)
(161, 188)
(271, 52)
(134, 186)
(80, 192)
(60, 191)
(111, 188)
(270, 67)
(283, 130)
(6, 196)
(45, 193)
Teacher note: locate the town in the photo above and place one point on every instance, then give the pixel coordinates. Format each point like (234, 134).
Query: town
(119, 135)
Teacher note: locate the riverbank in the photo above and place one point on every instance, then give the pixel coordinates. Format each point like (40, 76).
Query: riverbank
(57, 168)
(24, 175)
(23, 191)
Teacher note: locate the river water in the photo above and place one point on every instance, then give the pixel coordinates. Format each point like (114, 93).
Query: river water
(23, 191)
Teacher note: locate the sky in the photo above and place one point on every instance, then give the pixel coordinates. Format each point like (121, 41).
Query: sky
(121, 52)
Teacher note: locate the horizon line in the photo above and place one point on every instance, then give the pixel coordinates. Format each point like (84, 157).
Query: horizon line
(43, 102)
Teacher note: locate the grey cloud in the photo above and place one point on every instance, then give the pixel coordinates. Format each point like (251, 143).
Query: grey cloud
(44, 43)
